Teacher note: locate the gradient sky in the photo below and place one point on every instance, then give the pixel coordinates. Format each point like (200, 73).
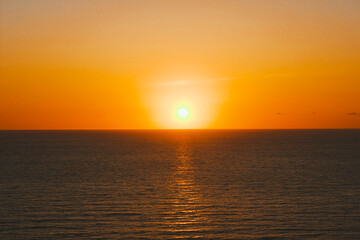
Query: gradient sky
(131, 64)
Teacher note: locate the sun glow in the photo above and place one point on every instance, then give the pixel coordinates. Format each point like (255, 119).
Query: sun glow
(183, 112)
(183, 99)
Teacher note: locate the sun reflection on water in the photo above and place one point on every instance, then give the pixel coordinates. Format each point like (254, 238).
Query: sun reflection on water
(185, 217)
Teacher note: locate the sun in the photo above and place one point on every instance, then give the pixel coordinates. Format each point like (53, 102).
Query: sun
(183, 112)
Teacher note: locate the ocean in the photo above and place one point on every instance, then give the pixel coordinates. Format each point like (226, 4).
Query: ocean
(180, 184)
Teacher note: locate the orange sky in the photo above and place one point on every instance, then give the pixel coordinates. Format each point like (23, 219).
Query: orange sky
(131, 64)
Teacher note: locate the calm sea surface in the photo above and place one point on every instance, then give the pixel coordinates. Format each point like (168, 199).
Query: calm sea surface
(206, 184)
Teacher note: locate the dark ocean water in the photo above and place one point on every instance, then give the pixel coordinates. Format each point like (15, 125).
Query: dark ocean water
(206, 184)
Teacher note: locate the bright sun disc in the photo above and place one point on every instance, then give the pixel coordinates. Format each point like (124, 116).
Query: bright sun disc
(183, 112)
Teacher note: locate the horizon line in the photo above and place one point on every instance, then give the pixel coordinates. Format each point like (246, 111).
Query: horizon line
(170, 129)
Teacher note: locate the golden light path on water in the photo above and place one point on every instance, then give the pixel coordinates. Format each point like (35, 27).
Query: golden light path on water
(186, 217)
(176, 199)
(192, 207)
